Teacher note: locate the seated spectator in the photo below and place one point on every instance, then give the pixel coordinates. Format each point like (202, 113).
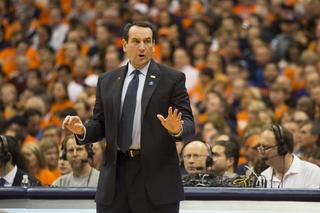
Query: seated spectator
(10, 173)
(250, 152)
(300, 117)
(309, 137)
(63, 165)
(306, 105)
(9, 100)
(286, 170)
(294, 128)
(60, 97)
(314, 156)
(78, 156)
(36, 164)
(53, 132)
(33, 118)
(196, 158)
(277, 97)
(267, 117)
(225, 154)
(98, 149)
(50, 152)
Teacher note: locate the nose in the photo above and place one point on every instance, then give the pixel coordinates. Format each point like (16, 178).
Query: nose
(141, 46)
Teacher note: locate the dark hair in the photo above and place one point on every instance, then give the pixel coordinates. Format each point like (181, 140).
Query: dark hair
(287, 137)
(31, 112)
(194, 46)
(66, 97)
(271, 62)
(207, 71)
(37, 72)
(52, 126)
(144, 24)
(64, 67)
(65, 140)
(58, 8)
(13, 148)
(48, 29)
(3, 29)
(85, 103)
(293, 44)
(315, 129)
(231, 150)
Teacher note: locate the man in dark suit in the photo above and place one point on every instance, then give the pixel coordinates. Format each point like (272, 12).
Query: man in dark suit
(10, 174)
(140, 167)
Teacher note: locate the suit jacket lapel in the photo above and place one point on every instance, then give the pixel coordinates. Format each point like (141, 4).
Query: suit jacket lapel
(152, 79)
(118, 78)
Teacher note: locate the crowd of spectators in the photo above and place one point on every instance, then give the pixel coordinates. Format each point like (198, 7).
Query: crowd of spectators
(247, 64)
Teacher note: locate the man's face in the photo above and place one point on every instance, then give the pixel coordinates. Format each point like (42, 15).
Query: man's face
(300, 118)
(72, 51)
(97, 158)
(52, 134)
(140, 46)
(268, 140)
(194, 155)
(34, 124)
(293, 127)
(213, 104)
(63, 76)
(81, 111)
(75, 153)
(51, 156)
(271, 72)
(233, 73)
(63, 165)
(306, 138)
(276, 97)
(180, 58)
(221, 164)
(315, 94)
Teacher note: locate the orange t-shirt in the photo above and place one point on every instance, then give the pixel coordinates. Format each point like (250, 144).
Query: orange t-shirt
(46, 177)
(289, 72)
(29, 139)
(55, 106)
(279, 112)
(56, 172)
(242, 121)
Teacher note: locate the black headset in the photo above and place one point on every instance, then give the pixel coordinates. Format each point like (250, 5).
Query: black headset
(209, 160)
(282, 147)
(64, 147)
(5, 156)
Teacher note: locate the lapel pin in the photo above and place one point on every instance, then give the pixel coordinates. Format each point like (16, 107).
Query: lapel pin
(151, 83)
(118, 79)
(152, 76)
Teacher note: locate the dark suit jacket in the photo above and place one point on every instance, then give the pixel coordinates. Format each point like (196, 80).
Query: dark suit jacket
(18, 178)
(159, 159)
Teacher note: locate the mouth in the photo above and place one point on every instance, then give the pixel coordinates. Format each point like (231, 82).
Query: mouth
(192, 168)
(141, 56)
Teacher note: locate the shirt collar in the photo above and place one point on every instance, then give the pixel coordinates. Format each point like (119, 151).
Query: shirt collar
(143, 70)
(295, 166)
(10, 176)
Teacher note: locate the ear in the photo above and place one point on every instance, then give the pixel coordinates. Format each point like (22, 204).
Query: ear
(230, 162)
(124, 45)
(315, 137)
(154, 46)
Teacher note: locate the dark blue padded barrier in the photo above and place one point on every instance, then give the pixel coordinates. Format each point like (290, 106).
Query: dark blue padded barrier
(61, 192)
(12, 192)
(191, 193)
(257, 194)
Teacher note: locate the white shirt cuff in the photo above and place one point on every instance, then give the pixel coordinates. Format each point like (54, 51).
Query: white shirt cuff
(178, 135)
(84, 135)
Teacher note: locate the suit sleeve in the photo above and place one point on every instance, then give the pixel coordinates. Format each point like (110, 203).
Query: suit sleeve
(95, 128)
(180, 100)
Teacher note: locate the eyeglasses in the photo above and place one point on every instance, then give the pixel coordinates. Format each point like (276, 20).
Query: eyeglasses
(195, 156)
(263, 149)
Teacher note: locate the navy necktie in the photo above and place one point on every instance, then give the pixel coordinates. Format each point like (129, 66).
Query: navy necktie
(128, 109)
(2, 182)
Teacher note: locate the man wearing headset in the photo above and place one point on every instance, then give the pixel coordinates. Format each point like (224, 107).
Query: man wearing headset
(82, 175)
(10, 174)
(196, 158)
(286, 170)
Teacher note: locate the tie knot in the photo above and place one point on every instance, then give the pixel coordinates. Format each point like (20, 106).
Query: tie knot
(136, 72)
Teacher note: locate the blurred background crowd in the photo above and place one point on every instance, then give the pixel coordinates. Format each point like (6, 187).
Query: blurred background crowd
(247, 63)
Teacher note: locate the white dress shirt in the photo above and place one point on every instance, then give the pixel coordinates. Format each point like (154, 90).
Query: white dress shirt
(301, 174)
(10, 176)
(192, 75)
(74, 89)
(58, 36)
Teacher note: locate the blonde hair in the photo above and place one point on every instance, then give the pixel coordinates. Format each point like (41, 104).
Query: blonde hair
(47, 143)
(35, 148)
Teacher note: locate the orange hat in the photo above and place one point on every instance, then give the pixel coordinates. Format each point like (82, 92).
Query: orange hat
(252, 141)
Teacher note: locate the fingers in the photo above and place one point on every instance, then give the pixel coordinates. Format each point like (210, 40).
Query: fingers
(70, 120)
(161, 118)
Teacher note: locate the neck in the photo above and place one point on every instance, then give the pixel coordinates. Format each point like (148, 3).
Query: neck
(35, 170)
(296, 147)
(8, 167)
(82, 172)
(230, 170)
(51, 168)
(279, 169)
(278, 105)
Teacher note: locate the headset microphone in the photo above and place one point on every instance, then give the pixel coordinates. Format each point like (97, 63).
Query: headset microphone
(208, 164)
(267, 158)
(199, 168)
(84, 160)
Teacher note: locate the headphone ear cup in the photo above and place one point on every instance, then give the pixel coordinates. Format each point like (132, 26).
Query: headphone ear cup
(90, 151)
(64, 156)
(182, 162)
(5, 158)
(209, 161)
(282, 149)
